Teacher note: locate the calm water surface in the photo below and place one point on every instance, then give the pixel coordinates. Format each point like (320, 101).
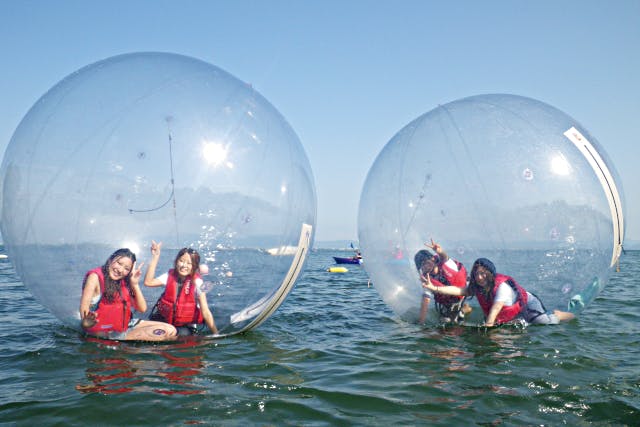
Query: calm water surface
(333, 354)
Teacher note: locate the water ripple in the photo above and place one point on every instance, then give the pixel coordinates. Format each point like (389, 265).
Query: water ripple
(332, 355)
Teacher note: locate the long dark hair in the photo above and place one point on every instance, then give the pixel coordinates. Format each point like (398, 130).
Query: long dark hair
(195, 261)
(491, 276)
(112, 287)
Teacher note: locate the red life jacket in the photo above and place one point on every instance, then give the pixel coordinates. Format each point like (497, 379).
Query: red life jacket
(180, 310)
(111, 315)
(449, 277)
(507, 313)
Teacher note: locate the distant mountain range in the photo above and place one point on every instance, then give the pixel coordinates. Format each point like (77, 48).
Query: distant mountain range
(335, 244)
(631, 245)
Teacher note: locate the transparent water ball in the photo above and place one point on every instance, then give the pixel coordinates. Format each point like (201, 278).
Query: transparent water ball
(164, 147)
(503, 177)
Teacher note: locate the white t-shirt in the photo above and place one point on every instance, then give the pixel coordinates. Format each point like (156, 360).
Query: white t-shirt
(451, 264)
(199, 282)
(506, 294)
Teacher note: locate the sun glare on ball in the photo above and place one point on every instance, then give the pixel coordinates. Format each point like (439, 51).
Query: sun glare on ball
(153, 146)
(214, 153)
(560, 166)
(133, 246)
(496, 176)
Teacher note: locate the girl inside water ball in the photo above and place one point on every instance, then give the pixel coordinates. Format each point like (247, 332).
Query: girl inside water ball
(110, 294)
(183, 302)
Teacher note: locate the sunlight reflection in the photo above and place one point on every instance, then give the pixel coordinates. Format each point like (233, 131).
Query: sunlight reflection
(215, 153)
(560, 165)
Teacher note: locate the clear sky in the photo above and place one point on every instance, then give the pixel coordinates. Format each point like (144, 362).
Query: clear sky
(347, 75)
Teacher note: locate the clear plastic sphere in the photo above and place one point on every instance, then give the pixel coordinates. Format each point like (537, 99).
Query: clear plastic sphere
(498, 176)
(157, 146)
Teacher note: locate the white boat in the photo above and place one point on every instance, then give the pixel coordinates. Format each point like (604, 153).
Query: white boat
(283, 250)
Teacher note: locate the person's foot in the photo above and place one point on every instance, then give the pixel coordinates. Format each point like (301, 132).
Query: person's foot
(564, 316)
(576, 303)
(579, 301)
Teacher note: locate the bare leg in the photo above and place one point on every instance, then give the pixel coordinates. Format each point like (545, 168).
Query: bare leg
(148, 330)
(423, 309)
(564, 316)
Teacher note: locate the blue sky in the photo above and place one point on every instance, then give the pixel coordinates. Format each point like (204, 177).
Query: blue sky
(347, 75)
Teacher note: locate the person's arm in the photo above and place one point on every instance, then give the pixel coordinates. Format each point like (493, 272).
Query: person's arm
(141, 303)
(505, 296)
(149, 277)
(91, 289)
(444, 290)
(424, 308)
(206, 313)
(493, 313)
(440, 251)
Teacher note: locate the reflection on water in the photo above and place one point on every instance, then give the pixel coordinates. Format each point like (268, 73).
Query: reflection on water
(173, 369)
(333, 354)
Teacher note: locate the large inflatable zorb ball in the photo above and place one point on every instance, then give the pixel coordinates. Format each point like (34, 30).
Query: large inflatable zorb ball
(498, 176)
(158, 146)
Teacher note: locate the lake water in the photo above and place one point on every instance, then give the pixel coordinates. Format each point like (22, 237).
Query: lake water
(333, 354)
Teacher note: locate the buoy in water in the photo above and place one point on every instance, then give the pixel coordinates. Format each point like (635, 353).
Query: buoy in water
(337, 269)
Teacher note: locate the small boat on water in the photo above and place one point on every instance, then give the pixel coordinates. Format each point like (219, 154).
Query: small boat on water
(282, 250)
(349, 260)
